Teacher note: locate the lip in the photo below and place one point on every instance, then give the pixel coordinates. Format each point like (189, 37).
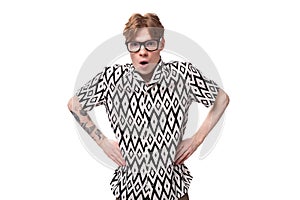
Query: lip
(144, 62)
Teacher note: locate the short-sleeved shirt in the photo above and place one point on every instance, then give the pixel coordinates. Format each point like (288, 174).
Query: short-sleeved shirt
(149, 121)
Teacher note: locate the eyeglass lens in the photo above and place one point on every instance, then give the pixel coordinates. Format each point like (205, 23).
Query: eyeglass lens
(150, 45)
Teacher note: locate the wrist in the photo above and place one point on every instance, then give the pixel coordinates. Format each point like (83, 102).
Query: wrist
(198, 138)
(99, 136)
(100, 141)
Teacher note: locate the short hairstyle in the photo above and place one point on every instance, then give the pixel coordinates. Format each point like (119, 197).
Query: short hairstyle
(137, 21)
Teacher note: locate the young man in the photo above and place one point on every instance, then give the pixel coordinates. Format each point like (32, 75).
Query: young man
(147, 103)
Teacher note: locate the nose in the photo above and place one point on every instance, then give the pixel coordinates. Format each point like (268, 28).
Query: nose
(143, 51)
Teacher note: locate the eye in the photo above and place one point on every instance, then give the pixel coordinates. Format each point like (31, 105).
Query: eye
(151, 43)
(134, 44)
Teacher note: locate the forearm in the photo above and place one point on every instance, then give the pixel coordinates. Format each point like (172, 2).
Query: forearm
(213, 116)
(84, 120)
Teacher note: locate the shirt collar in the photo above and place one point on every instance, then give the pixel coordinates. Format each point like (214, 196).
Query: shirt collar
(160, 70)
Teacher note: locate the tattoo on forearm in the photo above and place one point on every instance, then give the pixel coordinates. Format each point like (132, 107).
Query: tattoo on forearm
(89, 130)
(99, 134)
(86, 122)
(75, 116)
(83, 112)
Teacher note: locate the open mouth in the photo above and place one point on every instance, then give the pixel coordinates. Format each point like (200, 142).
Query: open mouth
(143, 62)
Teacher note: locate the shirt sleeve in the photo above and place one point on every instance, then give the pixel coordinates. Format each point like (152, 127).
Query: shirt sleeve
(93, 93)
(202, 89)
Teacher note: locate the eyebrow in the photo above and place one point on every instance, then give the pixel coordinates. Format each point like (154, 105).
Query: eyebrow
(146, 40)
(134, 40)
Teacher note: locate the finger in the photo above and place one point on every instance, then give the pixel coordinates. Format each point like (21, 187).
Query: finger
(120, 160)
(187, 154)
(181, 149)
(115, 154)
(119, 155)
(115, 160)
(179, 159)
(179, 155)
(183, 157)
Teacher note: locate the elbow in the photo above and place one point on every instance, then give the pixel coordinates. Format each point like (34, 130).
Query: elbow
(227, 100)
(223, 98)
(70, 104)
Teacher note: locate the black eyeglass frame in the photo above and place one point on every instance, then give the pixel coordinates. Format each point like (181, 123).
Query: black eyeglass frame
(143, 43)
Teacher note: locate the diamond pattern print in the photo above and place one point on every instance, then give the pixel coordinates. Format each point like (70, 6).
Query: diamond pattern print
(149, 121)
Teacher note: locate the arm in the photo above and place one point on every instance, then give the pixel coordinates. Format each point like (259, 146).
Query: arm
(188, 146)
(110, 147)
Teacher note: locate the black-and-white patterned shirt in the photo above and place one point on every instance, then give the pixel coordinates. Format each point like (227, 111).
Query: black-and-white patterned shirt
(149, 121)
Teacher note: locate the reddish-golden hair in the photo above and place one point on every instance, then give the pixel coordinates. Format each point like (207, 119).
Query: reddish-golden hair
(137, 21)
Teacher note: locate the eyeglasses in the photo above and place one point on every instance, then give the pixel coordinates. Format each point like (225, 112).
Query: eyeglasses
(150, 45)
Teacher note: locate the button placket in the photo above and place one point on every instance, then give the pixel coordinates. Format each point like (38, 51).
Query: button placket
(146, 121)
(145, 135)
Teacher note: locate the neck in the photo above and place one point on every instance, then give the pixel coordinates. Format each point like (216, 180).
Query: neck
(147, 77)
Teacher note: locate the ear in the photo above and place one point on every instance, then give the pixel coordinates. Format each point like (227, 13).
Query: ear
(162, 43)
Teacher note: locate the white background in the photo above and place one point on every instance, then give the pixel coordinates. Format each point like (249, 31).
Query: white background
(255, 46)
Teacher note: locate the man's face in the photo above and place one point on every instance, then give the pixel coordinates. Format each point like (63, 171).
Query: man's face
(145, 61)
